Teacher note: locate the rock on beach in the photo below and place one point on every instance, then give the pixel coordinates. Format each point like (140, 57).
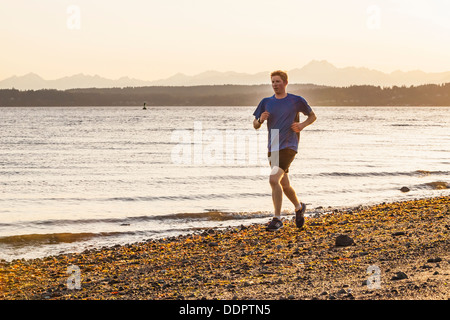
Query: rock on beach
(344, 240)
(399, 276)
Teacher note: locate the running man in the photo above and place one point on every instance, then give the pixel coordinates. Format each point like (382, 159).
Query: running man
(282, 114)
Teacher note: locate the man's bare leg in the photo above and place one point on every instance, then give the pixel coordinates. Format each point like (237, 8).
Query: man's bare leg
(277, 191)
(290, 192)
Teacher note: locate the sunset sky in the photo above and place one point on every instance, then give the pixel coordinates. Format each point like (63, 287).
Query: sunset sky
(150, 40)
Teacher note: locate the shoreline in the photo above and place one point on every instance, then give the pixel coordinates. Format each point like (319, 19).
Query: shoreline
(49, 239)
(406, 243)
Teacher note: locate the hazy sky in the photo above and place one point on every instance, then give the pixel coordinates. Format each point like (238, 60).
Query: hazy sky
(150, 40)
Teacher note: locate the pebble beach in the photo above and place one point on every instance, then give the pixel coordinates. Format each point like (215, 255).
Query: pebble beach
(390, 251)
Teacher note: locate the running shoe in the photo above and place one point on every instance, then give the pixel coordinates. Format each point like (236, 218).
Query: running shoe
(274, 225)
(300, 216)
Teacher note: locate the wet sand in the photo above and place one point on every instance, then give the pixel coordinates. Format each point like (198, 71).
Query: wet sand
(404, 244)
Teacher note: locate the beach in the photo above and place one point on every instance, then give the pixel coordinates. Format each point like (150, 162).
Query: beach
(394, 251)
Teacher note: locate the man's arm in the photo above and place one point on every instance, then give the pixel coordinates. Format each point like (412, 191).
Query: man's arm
(256, 124)
(299, 126)
(264, 116)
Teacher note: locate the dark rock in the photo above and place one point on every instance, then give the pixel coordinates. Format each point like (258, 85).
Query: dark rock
(213, 244)
(291, 297)
(344, 241)
(398, 233)
(404, 189)
(265, 272)
(434, 260)
(399, 276)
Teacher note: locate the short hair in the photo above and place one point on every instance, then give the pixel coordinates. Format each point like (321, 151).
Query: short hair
(283, 75)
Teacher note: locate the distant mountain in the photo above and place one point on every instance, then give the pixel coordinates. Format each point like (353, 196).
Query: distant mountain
(315, 72)
(214, 78)
(28, 81)
(32, 81)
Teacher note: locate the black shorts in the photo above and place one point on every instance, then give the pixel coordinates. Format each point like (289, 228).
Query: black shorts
(285, 157)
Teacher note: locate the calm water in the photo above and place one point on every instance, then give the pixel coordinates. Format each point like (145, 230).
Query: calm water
(76, 178)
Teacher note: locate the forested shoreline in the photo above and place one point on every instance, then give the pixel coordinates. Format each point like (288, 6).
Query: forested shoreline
(229, 95)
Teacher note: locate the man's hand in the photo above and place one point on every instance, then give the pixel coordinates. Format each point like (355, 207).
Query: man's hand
(264, 116)
(297, 126)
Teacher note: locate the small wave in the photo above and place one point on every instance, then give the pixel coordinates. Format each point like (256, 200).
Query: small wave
(52, 238)
(46, 239)
(217, 215)
(435, 185)
(158, 198)
(209, 215)
(189, 197)
(383, 174)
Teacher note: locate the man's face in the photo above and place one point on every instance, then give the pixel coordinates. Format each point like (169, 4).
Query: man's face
(278, 85)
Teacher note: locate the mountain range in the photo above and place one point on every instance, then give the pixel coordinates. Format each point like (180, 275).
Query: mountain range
(315, 72)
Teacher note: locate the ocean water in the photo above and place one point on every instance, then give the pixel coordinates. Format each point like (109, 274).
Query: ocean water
(73, 178)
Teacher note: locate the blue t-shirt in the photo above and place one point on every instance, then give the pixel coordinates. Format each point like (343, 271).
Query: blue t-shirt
(283, 112)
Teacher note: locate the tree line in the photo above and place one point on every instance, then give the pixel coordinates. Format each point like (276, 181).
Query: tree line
(229, 95)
